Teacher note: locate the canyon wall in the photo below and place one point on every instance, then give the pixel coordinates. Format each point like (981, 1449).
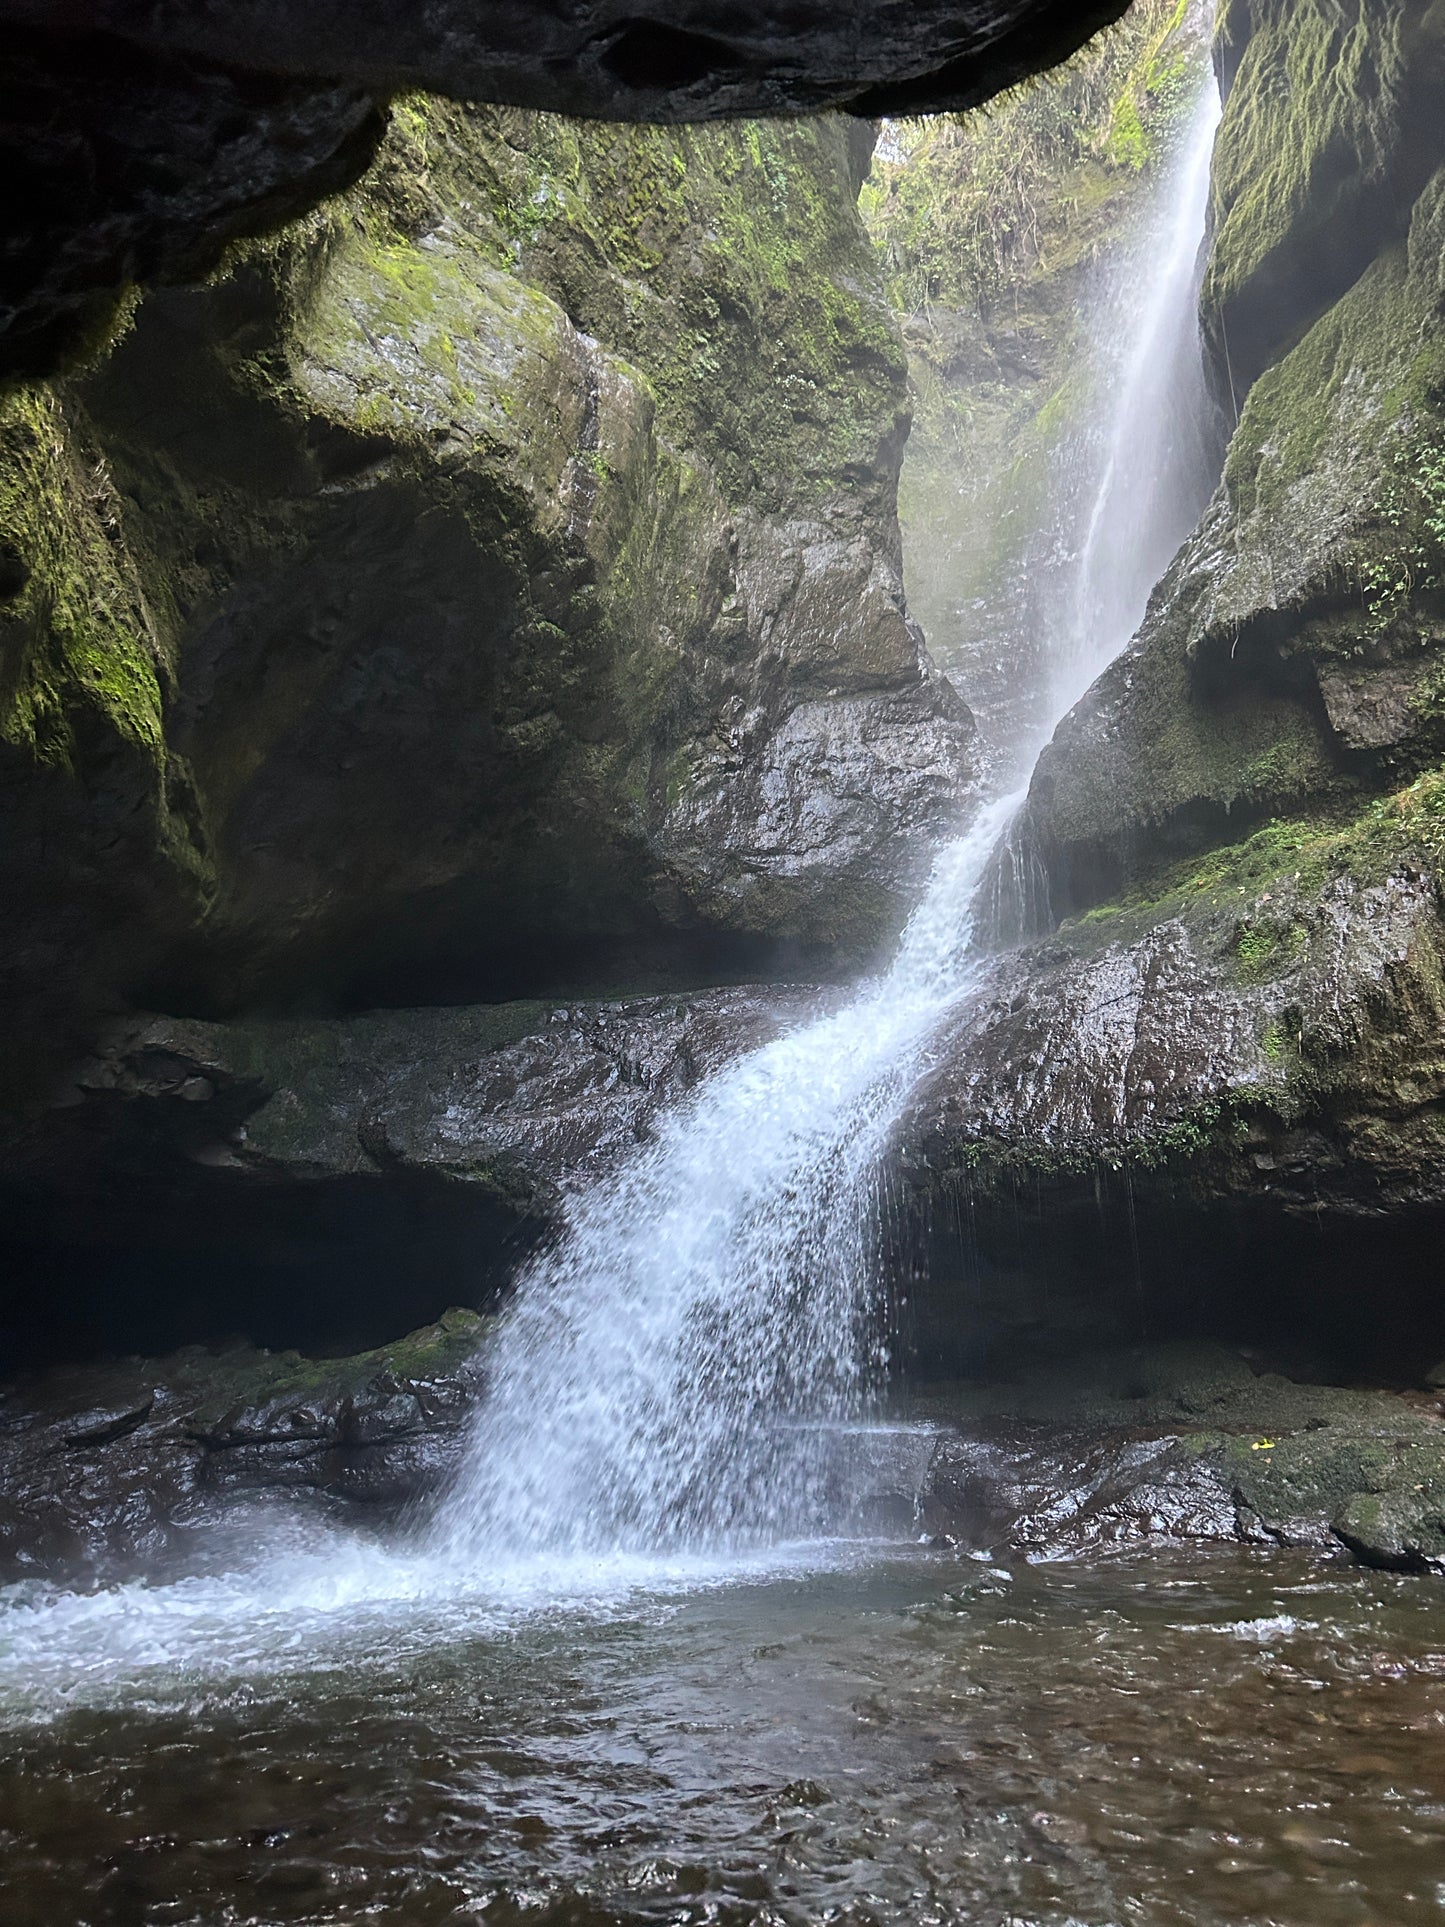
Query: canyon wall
(487, 587)
(1232, 1041)
(492, 582)
(487, 594)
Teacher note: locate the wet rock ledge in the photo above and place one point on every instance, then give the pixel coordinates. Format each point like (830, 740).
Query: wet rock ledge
(1187, 1444)
(107, 1470)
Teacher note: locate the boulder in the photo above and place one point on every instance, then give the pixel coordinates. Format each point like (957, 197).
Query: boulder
(492, 583)
(108, 1470)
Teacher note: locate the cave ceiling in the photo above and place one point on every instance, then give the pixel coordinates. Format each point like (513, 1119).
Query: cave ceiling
(139, 137)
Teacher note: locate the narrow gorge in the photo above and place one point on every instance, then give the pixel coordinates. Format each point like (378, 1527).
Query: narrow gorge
(725, 963)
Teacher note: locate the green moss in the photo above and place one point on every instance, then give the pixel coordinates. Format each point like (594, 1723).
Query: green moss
(223, 1387)
(1314, 422)
(1274, 1042)
(1311, 126)
(77, 638)
(462, 345)
(1128, 143)
(537, 362)
(1206, 1132)
(1101, 913)
(1256, 949)
(1407, 826)
(966, 209)
(729, 265)
(1266, 946)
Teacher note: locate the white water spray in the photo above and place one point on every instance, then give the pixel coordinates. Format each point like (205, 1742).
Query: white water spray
(1134, 483)
(662, 1374)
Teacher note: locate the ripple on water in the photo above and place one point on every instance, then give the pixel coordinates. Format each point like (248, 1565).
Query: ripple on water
(863, 1740)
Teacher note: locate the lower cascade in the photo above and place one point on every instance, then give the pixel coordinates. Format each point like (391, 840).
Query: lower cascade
(666, 1375)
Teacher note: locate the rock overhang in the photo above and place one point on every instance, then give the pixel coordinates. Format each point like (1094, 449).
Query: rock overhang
(142, 140)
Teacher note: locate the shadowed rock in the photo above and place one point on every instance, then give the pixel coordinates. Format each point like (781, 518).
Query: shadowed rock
(107, 1470)
(128, 1467)
(492, 584)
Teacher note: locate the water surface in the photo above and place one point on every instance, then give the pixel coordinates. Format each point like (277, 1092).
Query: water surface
(917, 1738)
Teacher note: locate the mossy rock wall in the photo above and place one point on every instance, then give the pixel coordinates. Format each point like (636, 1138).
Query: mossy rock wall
(1331, 129)
(1242, 821)
(1291, 661)
(493, 577)
(103, 854)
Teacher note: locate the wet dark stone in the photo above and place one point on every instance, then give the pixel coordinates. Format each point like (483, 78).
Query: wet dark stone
(1183, 1444)
(1048, 1493)
(687, 61)
(105, 1470)
(342, 1178)
(127, 164)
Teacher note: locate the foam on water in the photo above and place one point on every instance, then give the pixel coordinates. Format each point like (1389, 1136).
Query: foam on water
(668, 1385)
(1275, 1626)
(318, 1601)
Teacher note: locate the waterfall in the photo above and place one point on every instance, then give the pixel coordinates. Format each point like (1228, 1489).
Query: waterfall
(671, 1381)
(1152, 450)
(1134, 484)
(667, 1375)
